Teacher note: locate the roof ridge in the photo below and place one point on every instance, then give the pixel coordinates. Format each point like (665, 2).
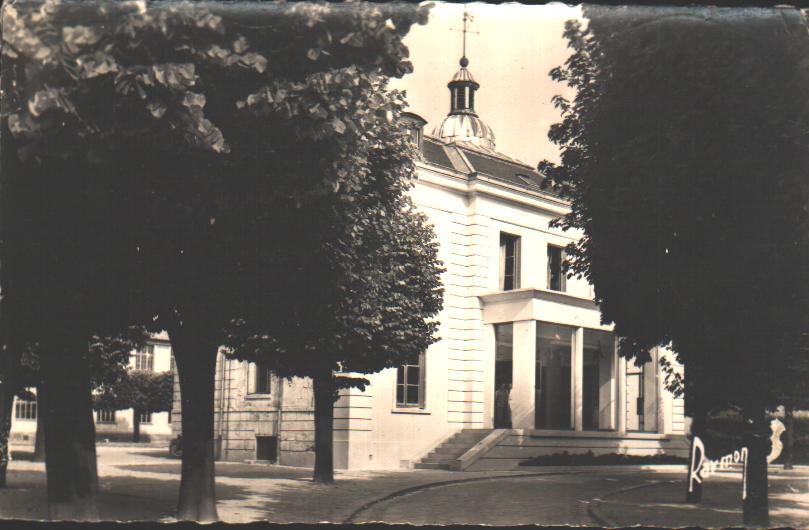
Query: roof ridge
(458, 159)
(499, 156)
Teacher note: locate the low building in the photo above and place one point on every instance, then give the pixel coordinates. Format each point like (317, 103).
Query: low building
(524, 365)
(112, 425)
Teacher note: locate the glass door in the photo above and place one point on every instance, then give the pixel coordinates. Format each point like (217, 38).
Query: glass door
(554, 352)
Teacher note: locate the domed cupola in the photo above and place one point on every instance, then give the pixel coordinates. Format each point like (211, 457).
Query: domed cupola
(463, 124)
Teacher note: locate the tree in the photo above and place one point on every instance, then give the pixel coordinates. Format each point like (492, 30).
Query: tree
(683, 156)
(109, 357)
(140, 390)
(360, 289)
(171, 89)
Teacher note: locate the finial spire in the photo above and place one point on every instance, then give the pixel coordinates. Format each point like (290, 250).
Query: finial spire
(467, 20)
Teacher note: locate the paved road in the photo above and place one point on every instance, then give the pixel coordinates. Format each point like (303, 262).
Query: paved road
(545, 500)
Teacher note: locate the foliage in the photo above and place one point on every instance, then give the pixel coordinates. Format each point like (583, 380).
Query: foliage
(683, 156)
(146, 174)
(589, 459)
(362, 286)
(108, 361)
(193, 97)
(141, 390)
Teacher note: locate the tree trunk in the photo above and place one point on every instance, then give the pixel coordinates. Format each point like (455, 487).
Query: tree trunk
(755, 505)
(789, 440)
(39, 437)
(323, 383)
(69, 430)
(6, 408)
(699, 424)
(196, 367)
(135, 425)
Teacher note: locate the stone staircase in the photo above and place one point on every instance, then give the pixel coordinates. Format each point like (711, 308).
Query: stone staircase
(456, 445)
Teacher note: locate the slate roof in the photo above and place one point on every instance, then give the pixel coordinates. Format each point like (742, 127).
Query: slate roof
(484, 161)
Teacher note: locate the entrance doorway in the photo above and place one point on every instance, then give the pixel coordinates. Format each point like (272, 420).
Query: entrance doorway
(503, 374)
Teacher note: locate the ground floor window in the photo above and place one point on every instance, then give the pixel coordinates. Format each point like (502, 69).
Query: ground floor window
(410, 385)
(105, 416)
(503, 374)
(263, 379)
(25, 410)
(146, 417)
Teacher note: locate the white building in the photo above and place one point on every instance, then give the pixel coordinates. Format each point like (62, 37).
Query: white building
(112, 425)
(510, 316)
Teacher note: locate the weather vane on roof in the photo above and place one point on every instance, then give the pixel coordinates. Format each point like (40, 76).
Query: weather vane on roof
(467, 20)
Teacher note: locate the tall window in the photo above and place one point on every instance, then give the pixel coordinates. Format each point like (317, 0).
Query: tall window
(554, 353)
(105, 416)
(509, 262)
(471, 99)
(503, 373)
(262, 379)
(556, 275)
(146, 417)
(25, 410)
(144, 360)
(410, 385)
(598, 386)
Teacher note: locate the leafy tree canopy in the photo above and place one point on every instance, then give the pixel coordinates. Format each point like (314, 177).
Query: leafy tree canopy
(684, 155)
(362, 283)
(140, 390)
(184, 124)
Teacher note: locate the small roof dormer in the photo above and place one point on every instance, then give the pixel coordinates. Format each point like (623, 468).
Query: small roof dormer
(415, 127)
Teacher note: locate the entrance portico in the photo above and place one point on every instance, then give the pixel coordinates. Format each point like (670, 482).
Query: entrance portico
(566, 374)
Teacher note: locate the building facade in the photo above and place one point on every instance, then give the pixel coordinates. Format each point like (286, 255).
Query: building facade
(113, 425)
(523, 363)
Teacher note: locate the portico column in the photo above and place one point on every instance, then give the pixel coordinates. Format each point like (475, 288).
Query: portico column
(666, 400)
(524, 362)
(577, 373)
(620, 395)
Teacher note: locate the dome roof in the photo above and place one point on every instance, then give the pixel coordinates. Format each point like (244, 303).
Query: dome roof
(466, 128)
(463, 75)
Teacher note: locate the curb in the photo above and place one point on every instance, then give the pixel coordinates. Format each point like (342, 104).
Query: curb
(594, 510)
(431, 485)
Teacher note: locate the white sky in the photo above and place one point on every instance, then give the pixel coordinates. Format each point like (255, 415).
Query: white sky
(516, 47)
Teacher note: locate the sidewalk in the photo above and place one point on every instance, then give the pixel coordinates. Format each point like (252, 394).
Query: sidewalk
(661, 503)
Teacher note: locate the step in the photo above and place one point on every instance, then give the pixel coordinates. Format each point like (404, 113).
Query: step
(436, 459)
(444, 456)
(431, 465)
(454, 447)
(450, 451)
(458, 444)
(463, 438)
